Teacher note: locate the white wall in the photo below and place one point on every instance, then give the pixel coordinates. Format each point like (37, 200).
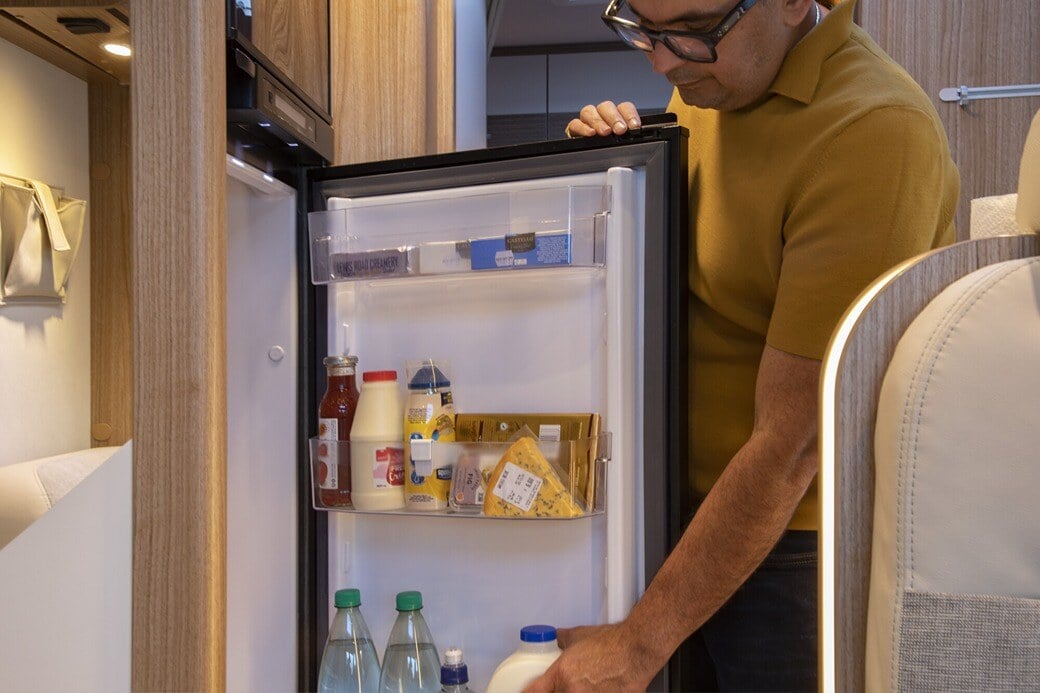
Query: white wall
(45, 350)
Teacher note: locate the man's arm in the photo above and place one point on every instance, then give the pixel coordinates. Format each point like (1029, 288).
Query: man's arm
(738, 524)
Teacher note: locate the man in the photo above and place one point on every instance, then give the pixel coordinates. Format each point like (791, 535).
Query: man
(815, 164)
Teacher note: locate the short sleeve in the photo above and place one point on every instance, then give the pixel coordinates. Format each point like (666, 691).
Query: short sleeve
(881, 191)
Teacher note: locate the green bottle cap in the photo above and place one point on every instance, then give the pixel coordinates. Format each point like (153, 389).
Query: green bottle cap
(347, 598)
(409, 601)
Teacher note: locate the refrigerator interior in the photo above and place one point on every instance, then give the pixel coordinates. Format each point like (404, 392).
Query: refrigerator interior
(554, 339)
(262, 327)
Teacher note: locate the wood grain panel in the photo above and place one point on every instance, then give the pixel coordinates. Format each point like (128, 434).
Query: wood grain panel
(179, 300)
(393, 79)
(57, 3)
(440, 94)
(294, 34)
(949, 43)
(15, 32)
(88, 46)
(864, 361)
(111, 336)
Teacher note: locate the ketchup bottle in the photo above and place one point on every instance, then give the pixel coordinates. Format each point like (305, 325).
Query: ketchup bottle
(335, 417)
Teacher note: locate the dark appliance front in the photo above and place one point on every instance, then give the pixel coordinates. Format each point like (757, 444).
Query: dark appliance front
(272, 124)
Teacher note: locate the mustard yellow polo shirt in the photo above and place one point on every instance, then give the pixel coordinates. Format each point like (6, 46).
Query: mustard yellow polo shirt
(797, 204)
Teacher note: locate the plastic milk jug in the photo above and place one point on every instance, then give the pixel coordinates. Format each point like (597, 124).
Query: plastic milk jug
(376, 444)
(538, 650)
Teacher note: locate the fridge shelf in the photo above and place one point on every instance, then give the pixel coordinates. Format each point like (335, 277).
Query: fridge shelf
(572, 474)
(474, 233)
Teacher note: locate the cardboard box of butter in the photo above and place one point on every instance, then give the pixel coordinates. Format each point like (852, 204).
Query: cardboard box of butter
(523, 482)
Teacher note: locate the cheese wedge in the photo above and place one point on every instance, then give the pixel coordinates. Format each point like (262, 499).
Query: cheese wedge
(524, 484)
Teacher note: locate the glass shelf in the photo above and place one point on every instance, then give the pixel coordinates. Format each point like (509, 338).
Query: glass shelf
(577, 466)
(369, 238)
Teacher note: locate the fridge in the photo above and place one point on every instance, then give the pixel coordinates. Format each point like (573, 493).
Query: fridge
(553, 278)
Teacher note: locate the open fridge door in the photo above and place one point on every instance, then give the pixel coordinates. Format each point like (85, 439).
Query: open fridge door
(535, 288)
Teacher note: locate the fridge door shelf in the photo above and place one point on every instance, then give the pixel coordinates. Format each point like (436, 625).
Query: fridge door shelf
(522, 229)
(578, 466)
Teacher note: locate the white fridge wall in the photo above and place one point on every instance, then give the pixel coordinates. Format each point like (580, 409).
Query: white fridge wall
(526, 340)
(261, 409)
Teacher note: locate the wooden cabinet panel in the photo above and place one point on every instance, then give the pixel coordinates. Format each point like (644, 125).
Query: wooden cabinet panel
(949, 43)
(294, 34)
(179, 252)
(394, 79)
(111, 308)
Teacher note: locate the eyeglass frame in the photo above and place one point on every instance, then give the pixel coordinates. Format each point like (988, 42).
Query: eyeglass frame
(709, 38)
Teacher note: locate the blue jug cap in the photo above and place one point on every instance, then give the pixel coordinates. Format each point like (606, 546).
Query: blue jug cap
(537, 634)
(428, 377)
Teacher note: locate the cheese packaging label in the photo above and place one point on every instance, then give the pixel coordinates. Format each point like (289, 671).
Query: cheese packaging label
(521, 250)
(524, 484)
(373, 263)
(517, 487)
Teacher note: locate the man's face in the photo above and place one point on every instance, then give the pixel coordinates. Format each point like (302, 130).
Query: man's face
(749, 56)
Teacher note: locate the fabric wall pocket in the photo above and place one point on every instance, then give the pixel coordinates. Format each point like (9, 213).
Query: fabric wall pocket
(41, 234)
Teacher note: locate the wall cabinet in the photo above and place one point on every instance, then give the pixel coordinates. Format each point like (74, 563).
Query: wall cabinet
(294, 34)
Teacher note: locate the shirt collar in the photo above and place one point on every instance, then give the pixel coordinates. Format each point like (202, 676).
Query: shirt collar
(800, 72)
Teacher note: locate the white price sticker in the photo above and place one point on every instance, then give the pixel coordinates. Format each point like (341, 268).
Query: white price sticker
(517, 487)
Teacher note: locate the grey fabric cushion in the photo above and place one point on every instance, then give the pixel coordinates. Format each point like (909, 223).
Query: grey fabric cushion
(953, 642)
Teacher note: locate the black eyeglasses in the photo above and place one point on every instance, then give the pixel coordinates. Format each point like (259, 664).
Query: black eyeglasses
(698, 47)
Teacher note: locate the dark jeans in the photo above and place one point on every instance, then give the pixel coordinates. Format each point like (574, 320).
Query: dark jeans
(764, 638)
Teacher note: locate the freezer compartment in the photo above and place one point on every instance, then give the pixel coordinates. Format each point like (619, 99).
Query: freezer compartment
(563, 226)
(563, 480)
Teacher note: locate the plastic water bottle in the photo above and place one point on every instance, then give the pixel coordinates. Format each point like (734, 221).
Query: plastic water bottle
(349, 662)
(454, 674)
(410, 662)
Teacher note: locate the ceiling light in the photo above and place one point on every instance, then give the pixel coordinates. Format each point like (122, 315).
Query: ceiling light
(119, 49)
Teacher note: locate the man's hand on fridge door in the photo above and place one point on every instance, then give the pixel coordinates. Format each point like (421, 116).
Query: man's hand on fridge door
(597, 658)
(605, 119)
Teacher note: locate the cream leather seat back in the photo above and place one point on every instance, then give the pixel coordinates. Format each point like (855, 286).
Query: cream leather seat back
(1013, 213)
(955, 563)
(1027, 211)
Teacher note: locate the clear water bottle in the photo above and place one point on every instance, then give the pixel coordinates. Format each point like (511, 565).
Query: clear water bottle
(454, 674)
(350, 662)
(410, 662)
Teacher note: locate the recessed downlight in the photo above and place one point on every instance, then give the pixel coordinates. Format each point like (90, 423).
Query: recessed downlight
(120, 49)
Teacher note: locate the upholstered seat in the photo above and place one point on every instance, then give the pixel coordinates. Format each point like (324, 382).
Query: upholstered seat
(1017, 212)
(955, 571)
(929, 469)
(29, 489)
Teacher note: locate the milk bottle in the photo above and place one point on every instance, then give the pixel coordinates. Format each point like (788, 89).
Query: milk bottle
(537, 651)
(376, 444)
